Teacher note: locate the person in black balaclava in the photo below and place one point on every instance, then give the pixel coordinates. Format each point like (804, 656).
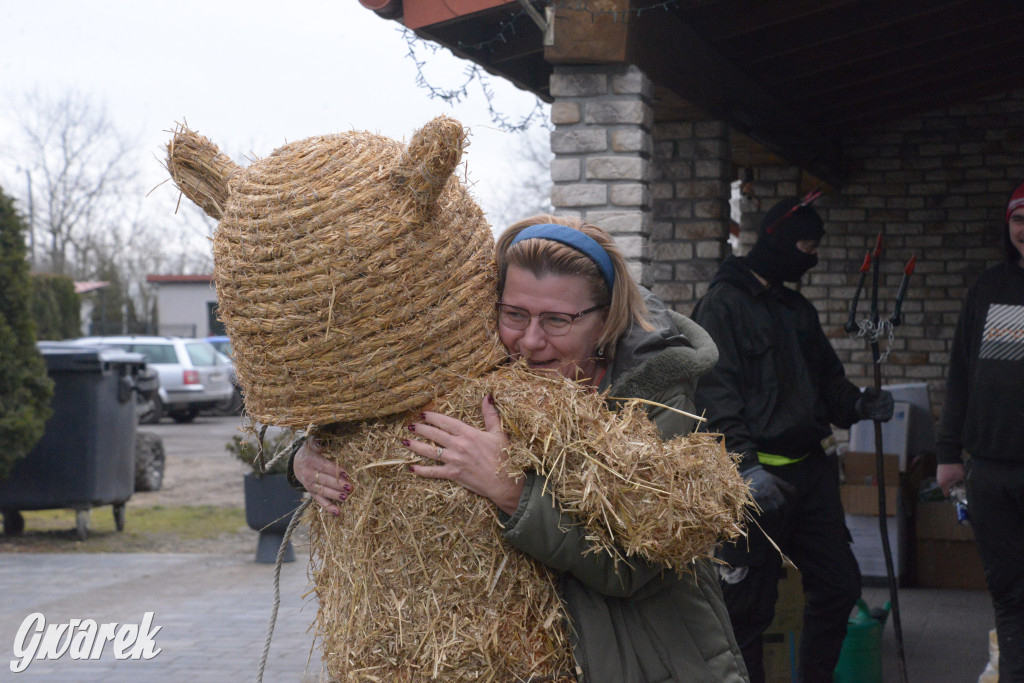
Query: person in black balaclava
(775, 392)
(784, 249)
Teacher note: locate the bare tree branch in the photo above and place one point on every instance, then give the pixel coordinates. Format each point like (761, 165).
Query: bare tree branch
(78, 163)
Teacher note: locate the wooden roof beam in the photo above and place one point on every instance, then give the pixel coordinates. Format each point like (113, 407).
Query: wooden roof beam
(702, 76)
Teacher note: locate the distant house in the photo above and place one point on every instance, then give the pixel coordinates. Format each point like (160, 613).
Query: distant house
(95, 299)
(186, 305)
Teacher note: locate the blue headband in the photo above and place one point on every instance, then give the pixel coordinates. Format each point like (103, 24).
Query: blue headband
(575, 239)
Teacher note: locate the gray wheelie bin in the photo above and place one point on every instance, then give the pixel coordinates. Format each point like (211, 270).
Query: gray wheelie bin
(86, 457)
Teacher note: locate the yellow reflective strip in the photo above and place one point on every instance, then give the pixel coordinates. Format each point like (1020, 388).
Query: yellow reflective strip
(778, 460)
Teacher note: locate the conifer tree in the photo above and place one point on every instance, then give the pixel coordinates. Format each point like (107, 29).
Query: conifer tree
(25, 388)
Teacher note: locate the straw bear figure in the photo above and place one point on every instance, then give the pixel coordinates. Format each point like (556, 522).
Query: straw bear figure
(355, 278)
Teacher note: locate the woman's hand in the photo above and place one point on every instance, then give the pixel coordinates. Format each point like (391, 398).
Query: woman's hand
(326, 481)
(466, 455)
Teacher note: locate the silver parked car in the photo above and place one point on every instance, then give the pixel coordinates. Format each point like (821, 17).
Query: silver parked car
(194, 376)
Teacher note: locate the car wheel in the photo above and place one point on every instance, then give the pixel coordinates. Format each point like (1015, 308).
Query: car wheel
(149, 462)
(151, 414)
(119, 515)
(14, 522)
(82, 524)
(231, 405)
(183, 416)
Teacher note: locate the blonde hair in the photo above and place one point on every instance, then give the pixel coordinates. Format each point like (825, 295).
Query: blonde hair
(546, 257)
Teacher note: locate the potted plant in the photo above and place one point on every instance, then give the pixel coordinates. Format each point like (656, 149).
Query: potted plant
(269, 500)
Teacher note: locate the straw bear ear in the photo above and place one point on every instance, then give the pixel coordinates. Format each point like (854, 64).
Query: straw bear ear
(430, 159)
(200, 170)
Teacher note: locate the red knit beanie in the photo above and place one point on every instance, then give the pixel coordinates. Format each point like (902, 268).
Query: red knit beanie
(1016, 201)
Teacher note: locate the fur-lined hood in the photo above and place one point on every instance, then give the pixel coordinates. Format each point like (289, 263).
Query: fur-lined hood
(677, 352)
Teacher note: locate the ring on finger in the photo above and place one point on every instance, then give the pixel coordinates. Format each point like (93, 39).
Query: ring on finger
(439, 451)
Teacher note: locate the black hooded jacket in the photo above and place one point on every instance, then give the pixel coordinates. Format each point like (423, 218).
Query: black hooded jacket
(778, 384)
(983, 411)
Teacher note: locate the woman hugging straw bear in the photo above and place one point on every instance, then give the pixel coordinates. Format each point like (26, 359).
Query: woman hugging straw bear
(507, 481)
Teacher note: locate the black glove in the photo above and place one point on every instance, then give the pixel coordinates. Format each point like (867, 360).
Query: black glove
(769, 491)
(874, 404)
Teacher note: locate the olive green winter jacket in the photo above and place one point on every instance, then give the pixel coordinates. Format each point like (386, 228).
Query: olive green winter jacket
(639, 623)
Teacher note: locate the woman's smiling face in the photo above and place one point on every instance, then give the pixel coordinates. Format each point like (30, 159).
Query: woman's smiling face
(571, 354)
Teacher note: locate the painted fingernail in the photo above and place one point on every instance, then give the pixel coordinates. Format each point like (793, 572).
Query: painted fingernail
(346, 488)
(342, 496)
(490, 399)
(412, 428)
(336, 512)
(343, 474)
(423, 416)
(411, 469)
(405, 442)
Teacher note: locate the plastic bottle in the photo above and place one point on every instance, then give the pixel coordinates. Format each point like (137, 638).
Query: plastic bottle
(958, 496)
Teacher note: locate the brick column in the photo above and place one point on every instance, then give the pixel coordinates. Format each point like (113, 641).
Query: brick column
(601, 171)
(691, 189)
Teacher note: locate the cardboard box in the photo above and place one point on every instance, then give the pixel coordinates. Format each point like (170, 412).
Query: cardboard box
(859, 499)
(946, 556)
(789, 608)
(859, 491)
(781, 656)
(895, 434)
(943, 563)
(782, 639)
(937, 520)
(860, 467)
(867, 546)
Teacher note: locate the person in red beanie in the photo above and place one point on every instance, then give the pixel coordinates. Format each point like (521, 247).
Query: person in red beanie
(775, 392)
(983, 415)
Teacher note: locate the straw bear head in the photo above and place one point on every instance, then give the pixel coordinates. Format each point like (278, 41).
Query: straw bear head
(353, 272)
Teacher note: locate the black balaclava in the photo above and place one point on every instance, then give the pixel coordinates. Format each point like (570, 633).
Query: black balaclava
(774, 256)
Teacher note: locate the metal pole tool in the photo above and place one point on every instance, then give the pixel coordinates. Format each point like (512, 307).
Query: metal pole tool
(874, 328)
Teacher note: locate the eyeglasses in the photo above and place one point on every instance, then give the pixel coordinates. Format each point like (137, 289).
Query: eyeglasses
(553, 324)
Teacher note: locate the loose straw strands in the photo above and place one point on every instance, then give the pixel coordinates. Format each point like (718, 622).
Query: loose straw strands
(665, 502)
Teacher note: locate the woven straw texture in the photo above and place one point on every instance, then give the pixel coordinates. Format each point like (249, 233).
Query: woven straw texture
(413, 579)
(350, 271)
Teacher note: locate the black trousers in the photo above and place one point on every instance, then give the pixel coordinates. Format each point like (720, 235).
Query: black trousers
(811, 531)
(995, 500)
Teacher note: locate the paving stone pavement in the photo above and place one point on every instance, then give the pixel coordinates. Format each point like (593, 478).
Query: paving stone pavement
(212, 610)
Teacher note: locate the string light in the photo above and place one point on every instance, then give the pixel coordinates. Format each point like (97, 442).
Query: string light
(505, 31)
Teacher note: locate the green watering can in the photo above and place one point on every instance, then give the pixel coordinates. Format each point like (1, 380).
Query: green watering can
(860, 660)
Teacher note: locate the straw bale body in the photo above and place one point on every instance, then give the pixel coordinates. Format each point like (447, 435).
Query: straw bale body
(414, 579)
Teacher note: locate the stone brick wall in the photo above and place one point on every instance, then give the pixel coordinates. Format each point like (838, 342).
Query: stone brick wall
(602, 145)
(935, 186)
(690, 201)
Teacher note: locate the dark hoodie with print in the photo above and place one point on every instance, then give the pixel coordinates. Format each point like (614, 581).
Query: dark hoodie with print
(983, 412)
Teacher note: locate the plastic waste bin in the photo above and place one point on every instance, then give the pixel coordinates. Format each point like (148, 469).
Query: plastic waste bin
(86, 457)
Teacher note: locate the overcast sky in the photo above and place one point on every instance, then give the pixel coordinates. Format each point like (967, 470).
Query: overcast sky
(249, 75)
